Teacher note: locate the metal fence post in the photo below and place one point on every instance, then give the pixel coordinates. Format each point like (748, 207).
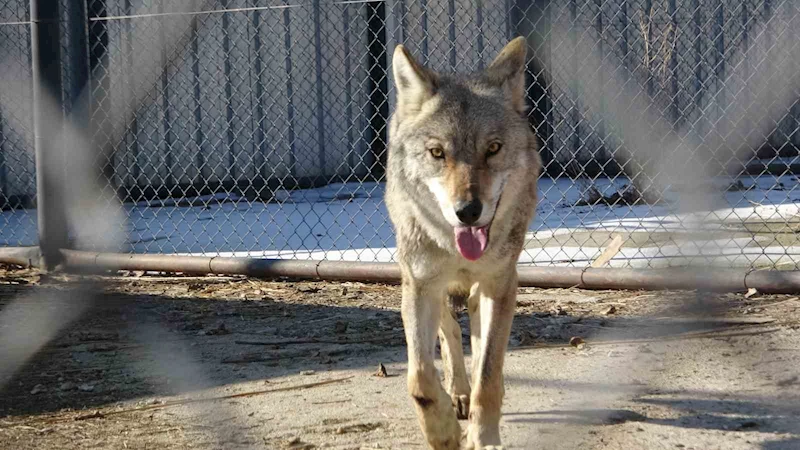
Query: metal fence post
(46, 71)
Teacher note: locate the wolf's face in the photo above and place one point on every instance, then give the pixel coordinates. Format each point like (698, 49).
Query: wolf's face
(463, 139)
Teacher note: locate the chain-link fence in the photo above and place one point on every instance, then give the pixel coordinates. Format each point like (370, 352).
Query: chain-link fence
(17, 178)
(258, 128)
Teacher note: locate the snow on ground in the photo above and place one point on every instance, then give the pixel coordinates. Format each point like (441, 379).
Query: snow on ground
(349, 222)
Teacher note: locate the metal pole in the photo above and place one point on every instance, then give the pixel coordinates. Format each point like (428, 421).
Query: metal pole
(46, 73)
(710, 279)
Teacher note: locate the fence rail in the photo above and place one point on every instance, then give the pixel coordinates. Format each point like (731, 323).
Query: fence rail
(258, 127)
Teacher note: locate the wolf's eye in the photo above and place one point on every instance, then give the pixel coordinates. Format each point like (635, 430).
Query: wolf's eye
(436, 152)
(494, 148)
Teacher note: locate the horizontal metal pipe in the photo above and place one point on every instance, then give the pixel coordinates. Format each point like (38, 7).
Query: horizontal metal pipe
(544, 277)
(675, 278)
(774, 281)
(20, 256)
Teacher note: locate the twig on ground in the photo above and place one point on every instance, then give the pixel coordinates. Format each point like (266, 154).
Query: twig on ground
(318, 341)
(686, 336)
(788, 300)
(257, 358)
(331, 402)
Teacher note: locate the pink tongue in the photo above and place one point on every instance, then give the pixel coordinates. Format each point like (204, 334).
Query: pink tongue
(471, 241)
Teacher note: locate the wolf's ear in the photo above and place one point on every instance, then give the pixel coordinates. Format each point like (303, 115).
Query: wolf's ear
(508, 72)
(414, 83)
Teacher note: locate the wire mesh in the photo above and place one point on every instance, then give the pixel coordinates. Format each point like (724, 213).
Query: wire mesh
(262, 132)
(17, 172)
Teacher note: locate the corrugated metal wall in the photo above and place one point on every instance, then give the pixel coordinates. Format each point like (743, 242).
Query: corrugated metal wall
(283, 92)
(275, 93)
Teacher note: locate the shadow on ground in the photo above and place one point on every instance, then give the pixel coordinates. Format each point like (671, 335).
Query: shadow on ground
(150, 341)
(129, 346)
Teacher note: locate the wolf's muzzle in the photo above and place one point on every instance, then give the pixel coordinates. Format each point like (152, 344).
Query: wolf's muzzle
(468, 212)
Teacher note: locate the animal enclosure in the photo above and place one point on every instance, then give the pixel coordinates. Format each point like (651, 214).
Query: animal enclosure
(258, 128)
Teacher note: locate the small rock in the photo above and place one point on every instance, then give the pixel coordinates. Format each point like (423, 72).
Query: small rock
(308, 372)
(611, 310)
(37, 389)
(747, 425)
(296, 443)
(613, 354)
(344, 290)
(67, 386)
(86, 387)
(527, 337)
(340, 327)
(576, 341)
(737, 186)
(381, 372)
(560, 311)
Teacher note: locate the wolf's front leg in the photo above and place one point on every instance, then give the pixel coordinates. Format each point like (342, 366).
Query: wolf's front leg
(456, 382)
(422, 303)
(497, 301)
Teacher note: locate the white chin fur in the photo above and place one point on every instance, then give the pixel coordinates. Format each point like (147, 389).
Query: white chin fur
(443, 199)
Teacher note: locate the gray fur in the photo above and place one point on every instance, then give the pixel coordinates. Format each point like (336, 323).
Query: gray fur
(462, 115)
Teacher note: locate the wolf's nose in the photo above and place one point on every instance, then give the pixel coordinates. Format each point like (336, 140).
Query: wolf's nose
(469, 212)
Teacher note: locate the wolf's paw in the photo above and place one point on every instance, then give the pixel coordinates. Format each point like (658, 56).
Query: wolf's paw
(445, 444)
(471, 441)
(441, 428)
(467, 445)
(446, 437)
(466, 442)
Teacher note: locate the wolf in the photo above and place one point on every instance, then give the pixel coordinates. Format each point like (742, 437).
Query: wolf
(462, 170)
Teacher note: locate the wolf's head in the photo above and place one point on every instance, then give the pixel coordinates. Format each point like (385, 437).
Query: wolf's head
(464, 139)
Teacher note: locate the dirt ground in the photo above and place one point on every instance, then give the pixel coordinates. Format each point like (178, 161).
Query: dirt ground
(140, 361)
